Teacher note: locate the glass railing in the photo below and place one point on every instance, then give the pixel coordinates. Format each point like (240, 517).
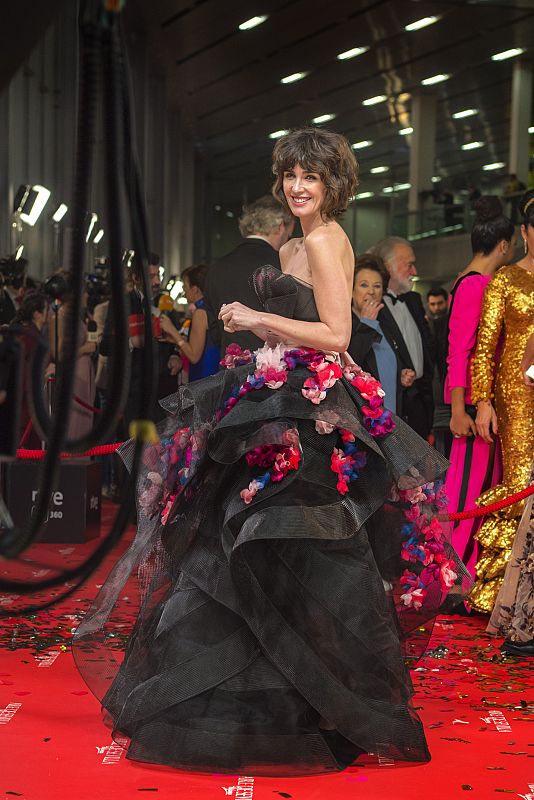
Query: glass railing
(433, 221)
(445, 219)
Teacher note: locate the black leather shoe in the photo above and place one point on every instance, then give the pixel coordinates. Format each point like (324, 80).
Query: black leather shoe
(518, 648)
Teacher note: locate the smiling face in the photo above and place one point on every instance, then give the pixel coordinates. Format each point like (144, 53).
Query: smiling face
(367, 286)
(304, 192)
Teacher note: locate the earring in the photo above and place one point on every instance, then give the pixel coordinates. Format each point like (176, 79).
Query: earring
(525, 246)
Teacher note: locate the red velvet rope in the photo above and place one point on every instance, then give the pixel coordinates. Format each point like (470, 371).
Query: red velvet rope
(101, 450)
(106, 449)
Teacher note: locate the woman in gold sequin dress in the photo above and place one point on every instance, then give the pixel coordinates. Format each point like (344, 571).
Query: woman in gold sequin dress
(508, 311)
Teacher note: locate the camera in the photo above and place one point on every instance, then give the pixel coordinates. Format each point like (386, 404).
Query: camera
(12, 271)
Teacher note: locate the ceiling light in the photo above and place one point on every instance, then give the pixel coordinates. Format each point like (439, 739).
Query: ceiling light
(99, 236)
(364, 195)
(387, 189)
(420, 23)
(401, 187)
(494, 165)
(515, 51)
(435, 179)
(361, 145)
(92, 222)
(378, 170)
(468, 112)
(230, 214)
(435, 79)
(19, 252)
(323, 118)
(295, 76)
(372, 101)
(472, 145)
(405, 131)
(253, 22)
(355, 51)
(32, 203)
(531, 129)
(278, 134)
(60, 212)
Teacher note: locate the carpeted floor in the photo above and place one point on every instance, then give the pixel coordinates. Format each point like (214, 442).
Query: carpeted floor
(478, 709)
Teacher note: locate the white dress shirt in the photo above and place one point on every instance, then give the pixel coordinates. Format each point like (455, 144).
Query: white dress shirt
(410, 331)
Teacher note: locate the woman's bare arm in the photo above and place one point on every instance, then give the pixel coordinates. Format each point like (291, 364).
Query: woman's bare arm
(326, 252)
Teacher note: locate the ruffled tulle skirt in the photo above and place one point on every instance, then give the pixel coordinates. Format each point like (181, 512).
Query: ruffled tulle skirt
(286, 568)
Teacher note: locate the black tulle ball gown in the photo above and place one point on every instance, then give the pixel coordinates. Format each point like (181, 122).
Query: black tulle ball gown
(290, 556)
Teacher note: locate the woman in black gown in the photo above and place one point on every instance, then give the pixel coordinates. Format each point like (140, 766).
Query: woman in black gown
(265, 640)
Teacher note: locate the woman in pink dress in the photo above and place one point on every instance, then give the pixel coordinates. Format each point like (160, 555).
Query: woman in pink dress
(475, 464)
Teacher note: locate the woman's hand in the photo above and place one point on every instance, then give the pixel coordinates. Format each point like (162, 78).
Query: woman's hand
(486, 421)
(237, 317)
(169, 332)
(461, 424)
(370, 308)
(174, 364)
(407, 377)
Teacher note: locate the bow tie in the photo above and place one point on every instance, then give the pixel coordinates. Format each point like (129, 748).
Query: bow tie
(394, 298)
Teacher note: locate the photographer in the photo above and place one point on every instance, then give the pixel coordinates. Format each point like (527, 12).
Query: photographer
(168, 362)
(32, 316)
(12, 281)
(81, 415)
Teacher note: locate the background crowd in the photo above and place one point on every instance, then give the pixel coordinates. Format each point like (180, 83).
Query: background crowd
(452, 364)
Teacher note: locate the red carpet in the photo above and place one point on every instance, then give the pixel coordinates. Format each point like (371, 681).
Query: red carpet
(478, 710)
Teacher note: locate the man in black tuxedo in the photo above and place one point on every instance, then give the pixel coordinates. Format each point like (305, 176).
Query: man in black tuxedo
(404, 318)
(265, 226)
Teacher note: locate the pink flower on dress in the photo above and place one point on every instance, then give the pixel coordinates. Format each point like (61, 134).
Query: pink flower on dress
(327, 373)
(413, 496)
(251, 491)
(271, 365)
(312, 392)
(235, 357)
(323, 427)
(413, 513)
(368, 386)
(447, 575)
(433, 530)
(413, 598)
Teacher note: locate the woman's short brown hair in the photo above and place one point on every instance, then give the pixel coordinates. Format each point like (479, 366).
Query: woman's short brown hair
(325, 152)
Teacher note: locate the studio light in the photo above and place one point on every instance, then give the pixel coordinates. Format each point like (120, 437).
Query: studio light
(19, 251)
(355, 51)
(364, 195)
(323, 118)
(361, 145)
(60, 212)
(99, 236)
(472, 145)
(253, 22)
(278, 134)
(494, 165)
(92, 222)
(405, 131)
(177, 289)
(378, 170)
(30, 202)
(531, 129)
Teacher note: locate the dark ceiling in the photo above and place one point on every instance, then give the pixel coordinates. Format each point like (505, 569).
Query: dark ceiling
(228, 81)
